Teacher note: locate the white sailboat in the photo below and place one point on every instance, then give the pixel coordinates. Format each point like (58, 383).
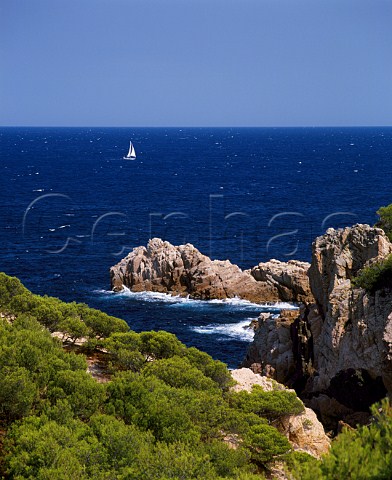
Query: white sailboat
(131, 153)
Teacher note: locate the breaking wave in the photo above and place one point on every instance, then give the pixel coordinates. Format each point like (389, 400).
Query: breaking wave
(239, 331)
(176, 301)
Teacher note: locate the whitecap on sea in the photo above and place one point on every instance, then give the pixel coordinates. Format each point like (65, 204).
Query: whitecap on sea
(239, 331)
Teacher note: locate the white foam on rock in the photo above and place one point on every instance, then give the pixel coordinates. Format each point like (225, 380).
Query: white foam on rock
(177, 300)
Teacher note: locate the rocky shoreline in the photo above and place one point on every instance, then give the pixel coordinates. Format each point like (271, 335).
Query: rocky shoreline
(336, 352)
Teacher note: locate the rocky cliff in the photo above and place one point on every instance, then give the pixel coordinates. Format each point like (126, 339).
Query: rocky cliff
(338, 351)
(183, 270)
(355, 328)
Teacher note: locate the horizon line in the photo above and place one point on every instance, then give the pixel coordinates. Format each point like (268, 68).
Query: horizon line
(196, 126)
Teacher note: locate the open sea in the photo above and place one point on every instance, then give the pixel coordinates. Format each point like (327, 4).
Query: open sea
(71, 207)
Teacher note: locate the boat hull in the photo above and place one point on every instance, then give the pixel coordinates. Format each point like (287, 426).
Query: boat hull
(129, 158)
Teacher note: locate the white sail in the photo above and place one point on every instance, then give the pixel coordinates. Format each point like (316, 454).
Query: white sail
(131, 152)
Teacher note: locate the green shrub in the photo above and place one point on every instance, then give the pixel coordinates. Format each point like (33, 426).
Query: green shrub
(378, 275)
(166, 413)
(125, 351)
(271, 405)
(211, 368)
(101, 324)
(48, 312)
(23, 303)
(359, 454)
(73, 328)
(75, 319)
(161, 344)
(174, 461)
(123, 443)
(266, 443)
(301, 463)
(9, 288)
(27, 344)
(151, 405)
(375, 277)
(207, 409)
(83, 393)
(118, 341)
(228, 461)
(18, 392)
(178, 372)
(385, 220)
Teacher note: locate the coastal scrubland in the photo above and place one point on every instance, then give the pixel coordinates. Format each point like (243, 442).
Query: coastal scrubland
(164, 411)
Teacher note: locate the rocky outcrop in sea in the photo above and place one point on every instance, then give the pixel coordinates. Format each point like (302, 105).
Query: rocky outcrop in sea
(184, 270)
(288, 279)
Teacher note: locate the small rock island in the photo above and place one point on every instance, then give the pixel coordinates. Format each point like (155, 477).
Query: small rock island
(184, 270)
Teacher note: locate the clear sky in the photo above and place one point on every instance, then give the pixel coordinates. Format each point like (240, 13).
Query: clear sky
(195, 62)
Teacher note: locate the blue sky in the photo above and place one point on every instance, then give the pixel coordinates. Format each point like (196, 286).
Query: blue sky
(195, 62)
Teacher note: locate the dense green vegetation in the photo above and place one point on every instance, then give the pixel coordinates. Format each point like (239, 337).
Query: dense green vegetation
(385, 220)
(75, 319)
(359, 454)
(166, 412)
(376, 276)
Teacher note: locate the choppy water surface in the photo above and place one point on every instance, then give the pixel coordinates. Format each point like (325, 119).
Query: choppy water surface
(71, 208)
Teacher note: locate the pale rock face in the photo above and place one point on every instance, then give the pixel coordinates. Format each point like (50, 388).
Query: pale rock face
(338, 256)
(303, 431)
(289, 279)
(354, 328)
(245, 379)
(183, 270)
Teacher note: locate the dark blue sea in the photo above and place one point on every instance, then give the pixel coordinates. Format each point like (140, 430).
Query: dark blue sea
(71, 207)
